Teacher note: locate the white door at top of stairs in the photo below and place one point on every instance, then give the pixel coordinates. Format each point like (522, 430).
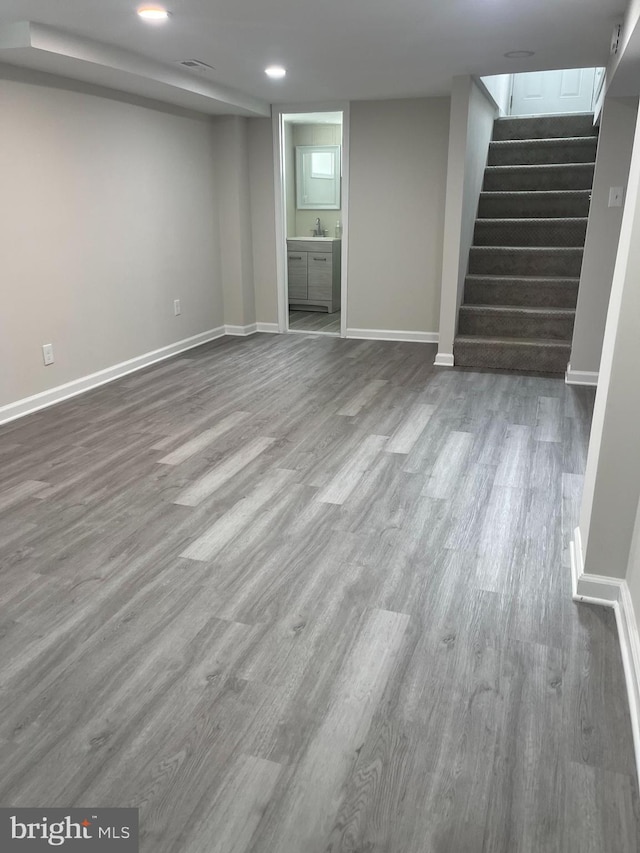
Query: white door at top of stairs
(553, 92)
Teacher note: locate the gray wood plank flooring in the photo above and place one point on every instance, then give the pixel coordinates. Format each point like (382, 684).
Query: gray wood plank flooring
(296, 594)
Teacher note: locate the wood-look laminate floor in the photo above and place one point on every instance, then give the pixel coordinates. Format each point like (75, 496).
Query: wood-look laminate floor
(296, 595)
(314, 321)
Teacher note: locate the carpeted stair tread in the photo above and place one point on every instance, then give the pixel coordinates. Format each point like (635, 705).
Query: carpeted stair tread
(519, 310)
(539, 176)
(525, 279)
(561, 261)
(544, 127)
(540, 249)
(538, 291)
(516, 322)
(531, 231)
(533, 220)
(551, 141)
(539, 167)
(521, 342)
(571, 149)
(499, 353)
(532, 204)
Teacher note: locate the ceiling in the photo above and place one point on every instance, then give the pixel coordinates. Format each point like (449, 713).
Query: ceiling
(333, 50)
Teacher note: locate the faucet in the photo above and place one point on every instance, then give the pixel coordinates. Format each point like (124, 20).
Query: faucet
(318, 230)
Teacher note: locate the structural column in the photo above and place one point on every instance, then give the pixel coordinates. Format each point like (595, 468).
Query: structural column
(617, 128)
(236, 245)
(612, 478)
(470, 129)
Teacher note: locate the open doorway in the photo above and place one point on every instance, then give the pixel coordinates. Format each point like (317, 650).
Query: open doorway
(312, 222)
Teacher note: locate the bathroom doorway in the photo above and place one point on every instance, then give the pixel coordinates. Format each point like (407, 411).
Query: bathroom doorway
(311, 169)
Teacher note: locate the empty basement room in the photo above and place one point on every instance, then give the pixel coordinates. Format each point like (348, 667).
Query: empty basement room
(372, 590)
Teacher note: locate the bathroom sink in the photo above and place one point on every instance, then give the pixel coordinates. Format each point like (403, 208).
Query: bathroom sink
(314, 238)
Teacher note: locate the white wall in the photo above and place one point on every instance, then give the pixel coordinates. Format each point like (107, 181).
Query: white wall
(612, 170)
(470, 131)
(398, 162)
(108, 214)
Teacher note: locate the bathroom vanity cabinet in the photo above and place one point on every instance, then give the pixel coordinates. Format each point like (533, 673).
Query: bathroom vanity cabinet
(313, 268)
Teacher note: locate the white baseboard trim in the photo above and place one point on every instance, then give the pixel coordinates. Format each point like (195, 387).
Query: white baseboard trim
(241, 331)
(630, 653)
(444, 359)
(86, 383)
(614, 593)
(251, 329)
(393, 335)
(580, 377)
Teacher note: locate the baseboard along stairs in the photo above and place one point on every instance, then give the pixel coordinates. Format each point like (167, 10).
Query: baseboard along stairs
(524, 266)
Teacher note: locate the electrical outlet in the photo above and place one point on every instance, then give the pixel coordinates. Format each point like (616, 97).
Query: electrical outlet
(615, 196)
(47, 353)
(176, 307)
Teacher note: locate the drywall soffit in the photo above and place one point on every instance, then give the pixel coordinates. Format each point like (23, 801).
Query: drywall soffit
(43, 48)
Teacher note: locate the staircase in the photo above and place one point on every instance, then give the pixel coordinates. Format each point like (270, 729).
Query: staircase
(524, 266)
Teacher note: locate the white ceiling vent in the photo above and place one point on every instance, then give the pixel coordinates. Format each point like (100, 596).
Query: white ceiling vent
(195, 63)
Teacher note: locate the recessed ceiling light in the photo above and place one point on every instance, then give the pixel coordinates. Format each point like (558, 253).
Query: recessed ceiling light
(276, 72)
(519, 54)
(153, 13)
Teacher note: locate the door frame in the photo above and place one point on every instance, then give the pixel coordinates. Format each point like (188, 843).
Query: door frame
(279, 177)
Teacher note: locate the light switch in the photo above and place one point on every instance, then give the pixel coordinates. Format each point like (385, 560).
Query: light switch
(47, 354)
(616, 195)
